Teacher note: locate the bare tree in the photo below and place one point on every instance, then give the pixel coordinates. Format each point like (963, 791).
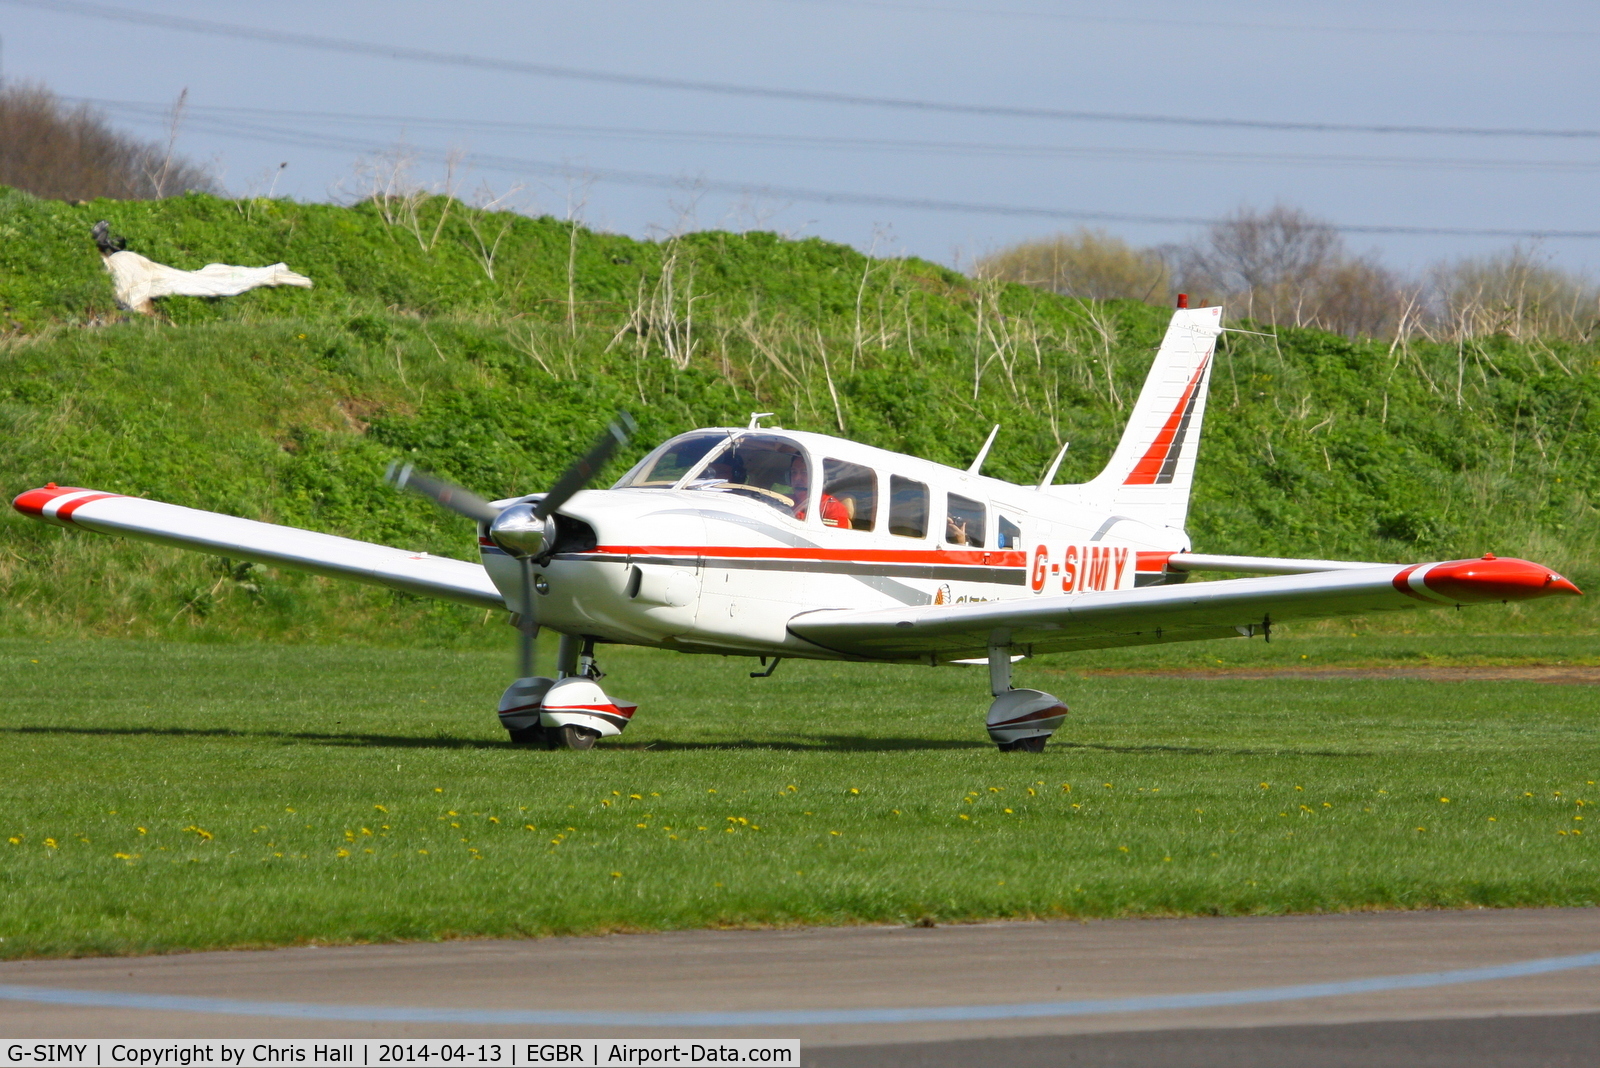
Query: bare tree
(1286, 266)
(52, 149)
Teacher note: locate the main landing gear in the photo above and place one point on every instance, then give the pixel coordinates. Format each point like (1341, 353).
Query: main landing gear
(569, 712)
(1019, 721)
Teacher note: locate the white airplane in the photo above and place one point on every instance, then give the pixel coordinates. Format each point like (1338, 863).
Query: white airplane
(763, 542)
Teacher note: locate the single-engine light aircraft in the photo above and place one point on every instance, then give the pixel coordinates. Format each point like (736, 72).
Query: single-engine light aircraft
(762, 542)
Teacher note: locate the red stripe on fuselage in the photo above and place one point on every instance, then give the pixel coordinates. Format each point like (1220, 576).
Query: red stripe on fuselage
(975, 557)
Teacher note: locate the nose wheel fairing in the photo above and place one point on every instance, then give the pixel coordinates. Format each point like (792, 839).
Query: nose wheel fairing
(572, 713)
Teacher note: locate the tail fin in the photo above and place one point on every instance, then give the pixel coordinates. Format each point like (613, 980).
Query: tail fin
(1149, 475)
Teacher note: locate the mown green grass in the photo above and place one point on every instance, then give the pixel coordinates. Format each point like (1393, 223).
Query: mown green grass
(826, 794)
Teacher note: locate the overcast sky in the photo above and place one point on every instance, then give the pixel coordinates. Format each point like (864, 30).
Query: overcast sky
(743, 160)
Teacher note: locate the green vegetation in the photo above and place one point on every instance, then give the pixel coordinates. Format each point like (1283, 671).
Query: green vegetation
(164, 796)
(490, 346)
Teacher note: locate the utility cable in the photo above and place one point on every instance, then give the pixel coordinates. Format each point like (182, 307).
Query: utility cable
(513, 165)
(510, 66)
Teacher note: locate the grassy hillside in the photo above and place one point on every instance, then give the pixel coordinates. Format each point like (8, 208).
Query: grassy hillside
(490, 346)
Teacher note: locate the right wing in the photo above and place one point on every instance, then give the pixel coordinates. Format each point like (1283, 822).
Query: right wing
(1170, 613)
(267, 543)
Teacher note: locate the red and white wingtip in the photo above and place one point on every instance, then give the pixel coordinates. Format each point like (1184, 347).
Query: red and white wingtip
(55, 504)
(1489, 578)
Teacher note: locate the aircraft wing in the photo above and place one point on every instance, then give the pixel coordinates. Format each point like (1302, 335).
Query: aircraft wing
(1169, 613)
(267, 543)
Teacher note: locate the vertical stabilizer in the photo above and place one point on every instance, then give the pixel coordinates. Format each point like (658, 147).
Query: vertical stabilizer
(1149, 475)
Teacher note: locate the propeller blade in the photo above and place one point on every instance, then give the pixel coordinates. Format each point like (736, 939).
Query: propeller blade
(578, 475)
(445, 494)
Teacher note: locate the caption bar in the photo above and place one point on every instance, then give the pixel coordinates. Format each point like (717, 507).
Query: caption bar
(427, 1053)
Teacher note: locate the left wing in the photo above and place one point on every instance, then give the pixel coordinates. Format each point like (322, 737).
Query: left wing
(267, 543)
(1174, 613)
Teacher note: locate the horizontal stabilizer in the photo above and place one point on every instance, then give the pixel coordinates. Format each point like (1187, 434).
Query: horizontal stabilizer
(266, 543)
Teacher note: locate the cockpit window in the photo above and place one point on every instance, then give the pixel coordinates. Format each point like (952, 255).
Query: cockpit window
(669, 463)
(763, 467)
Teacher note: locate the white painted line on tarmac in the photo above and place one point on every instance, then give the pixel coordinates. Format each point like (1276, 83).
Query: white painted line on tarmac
(111, 999)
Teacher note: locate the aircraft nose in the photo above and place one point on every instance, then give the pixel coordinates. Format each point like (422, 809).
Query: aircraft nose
(1495, 579)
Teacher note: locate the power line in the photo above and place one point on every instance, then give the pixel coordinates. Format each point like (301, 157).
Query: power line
(1206, 24)
(486, 63)
(513, 165)
(962, 148)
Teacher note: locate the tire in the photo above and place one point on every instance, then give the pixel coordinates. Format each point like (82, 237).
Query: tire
(527, 736)
(573, 736)
(1025, 745)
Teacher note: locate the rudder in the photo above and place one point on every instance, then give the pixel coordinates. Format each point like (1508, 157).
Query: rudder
(1152, 470)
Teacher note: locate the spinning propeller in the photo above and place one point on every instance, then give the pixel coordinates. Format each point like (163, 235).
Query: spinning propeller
(525, 530)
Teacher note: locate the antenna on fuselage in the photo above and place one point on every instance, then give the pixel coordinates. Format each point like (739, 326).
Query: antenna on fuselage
(1055, 465)
(983, 453)
(755, 419)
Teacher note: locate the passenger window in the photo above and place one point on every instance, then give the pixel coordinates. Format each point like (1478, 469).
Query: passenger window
(1010, 534)
(849, 495)
(964, 522)
(908, 507)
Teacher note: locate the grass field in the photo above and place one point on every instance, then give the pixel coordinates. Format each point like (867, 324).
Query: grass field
(177, 796)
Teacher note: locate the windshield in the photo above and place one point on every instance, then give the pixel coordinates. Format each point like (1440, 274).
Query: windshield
(763, 467)
(668, 464)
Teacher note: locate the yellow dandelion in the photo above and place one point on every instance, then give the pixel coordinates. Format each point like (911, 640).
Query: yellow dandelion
(834, 833)
(14, 840)
(342, 853)
(1444, 800)
(122, 856)
(639, 824)
(424, 852)
(1122, 849)
(367, 851)
(1031, 792)
(1266, 786)
(1422, 828)
(635, 797)
(1326, 805)
(1493, 820)
(712, 792)
(616, 875)
(380, 808)
(438, 789)
(965, 816)
(529, 827)
(854, 790)
(1009, 811)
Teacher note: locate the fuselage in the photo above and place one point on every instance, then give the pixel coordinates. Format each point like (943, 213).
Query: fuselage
(719, 552)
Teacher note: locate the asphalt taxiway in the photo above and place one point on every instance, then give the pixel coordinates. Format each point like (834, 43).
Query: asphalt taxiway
(1522, 984)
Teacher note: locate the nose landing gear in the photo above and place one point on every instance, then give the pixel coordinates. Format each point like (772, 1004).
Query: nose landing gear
(571, 712)
(1019, 721)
